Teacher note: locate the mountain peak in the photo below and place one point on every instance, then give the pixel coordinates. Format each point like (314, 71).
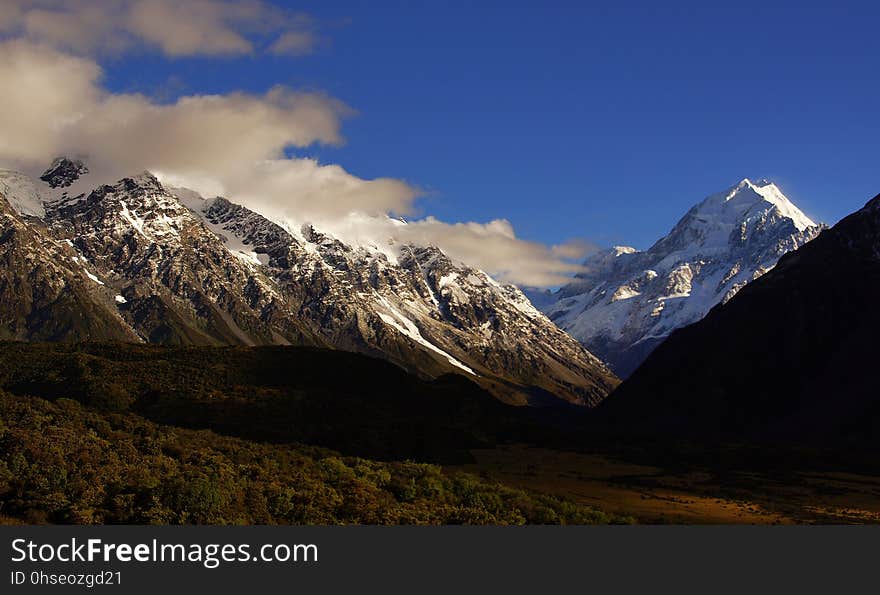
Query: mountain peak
(759, 183)
(625, 302)
(814, 384)
(749, 198)
(63, 172)
(145, 180)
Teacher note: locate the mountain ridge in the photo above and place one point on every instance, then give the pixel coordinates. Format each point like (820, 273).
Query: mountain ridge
(627, 301)
(180, 269)
(787, 358)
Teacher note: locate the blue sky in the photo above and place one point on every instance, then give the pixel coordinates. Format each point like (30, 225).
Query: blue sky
(603, 121)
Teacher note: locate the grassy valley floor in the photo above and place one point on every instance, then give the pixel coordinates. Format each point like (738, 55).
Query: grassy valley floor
(653, 494)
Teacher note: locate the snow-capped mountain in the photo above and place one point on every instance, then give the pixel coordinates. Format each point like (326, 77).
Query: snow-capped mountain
(46, 292)
(789, 359)
(165, 265)
(627, 301)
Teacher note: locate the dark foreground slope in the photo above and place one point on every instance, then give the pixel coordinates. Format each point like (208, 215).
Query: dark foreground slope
(145, 434)
(352, 403)
(791, 359)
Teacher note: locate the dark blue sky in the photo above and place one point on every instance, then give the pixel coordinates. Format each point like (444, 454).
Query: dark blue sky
(597, 120)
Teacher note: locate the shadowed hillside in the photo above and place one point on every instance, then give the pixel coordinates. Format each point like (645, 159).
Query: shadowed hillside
(348, 402)
(790, 359)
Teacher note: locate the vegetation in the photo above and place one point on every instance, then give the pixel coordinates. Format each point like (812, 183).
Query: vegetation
(344, 401)
(76, 444)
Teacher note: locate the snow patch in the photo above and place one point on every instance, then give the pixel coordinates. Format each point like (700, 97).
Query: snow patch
(22, 193)
(93, 278)
(447, 279)
(250, 257)
(407, 327)
(135, 221)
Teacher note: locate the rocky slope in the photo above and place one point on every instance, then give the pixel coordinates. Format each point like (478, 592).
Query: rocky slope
(414, 304)
(176, 281)
(790, 357)
(167, 266)
(47, 293)
(627, 302)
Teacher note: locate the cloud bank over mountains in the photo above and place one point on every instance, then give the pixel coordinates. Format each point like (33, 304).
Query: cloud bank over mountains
(173, 27)
(231, 144)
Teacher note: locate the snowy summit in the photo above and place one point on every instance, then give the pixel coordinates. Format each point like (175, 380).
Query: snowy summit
(628, 301)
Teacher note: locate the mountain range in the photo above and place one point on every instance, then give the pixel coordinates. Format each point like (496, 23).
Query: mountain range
(627, 301)
(138, 261)
(787, 359)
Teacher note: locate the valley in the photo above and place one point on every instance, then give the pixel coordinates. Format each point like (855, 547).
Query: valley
(686, 494)
(170, 358)
(90, 432)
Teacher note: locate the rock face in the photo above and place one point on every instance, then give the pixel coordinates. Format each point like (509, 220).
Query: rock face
(63, 172)
(176, 281)
(46, 292)
(627, 302)
(167, 266)
(415, 305)
(790, 357)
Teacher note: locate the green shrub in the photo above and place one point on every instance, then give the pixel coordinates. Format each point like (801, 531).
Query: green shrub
(61, 462)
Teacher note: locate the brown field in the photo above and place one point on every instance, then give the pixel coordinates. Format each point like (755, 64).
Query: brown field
(657, 495)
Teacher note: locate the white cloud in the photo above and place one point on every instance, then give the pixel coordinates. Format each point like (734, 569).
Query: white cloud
(574, 249)
(234, 145)
(294, 43)
(174, 27)
(308, 191)
(44, 94)
(53, 103)
(492, 247)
